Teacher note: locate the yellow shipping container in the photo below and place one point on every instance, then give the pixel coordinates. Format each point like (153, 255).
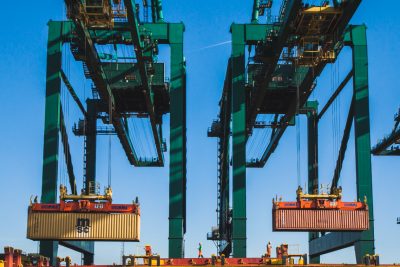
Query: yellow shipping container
(83, 226)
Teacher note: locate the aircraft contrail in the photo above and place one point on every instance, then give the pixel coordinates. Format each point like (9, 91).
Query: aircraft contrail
(210, 46)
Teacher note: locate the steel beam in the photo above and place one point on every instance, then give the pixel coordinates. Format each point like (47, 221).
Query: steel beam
(278, 44)
(72, 92)
(366, 244)
(177, 169)
(86, 248)
(363, 242)
(254, 15)
(306, 76)
(343, 146)
(239, 137)
(382, 148)
(52, 128)
(67, 153)
(53, 124)
(225, 227)
(160, 16)
(332, 242)
(335, 94)
(312, 151)
(141, 62)
(100, 80)
(153, 11)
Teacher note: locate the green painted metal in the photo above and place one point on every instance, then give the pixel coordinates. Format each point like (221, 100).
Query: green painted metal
(177, 187)
(312, 142)
(362, 135)
(53, 123)
(254, 15)
(363, 242)
(224, 225)
(332, 242)
(139, 50)
(239, 138)
(221, 129)
(163, 33)
(388, 145)
(153, 11)
(127, 76)
(160, 16)
(80, 246)
(100, 81)
(52, 128)
(277, 45)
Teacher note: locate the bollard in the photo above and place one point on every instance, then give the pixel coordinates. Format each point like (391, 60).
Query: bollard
(8, 257)
(17, 258)
(213, 259)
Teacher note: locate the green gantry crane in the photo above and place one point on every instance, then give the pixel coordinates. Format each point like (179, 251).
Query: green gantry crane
(291, 51)
(389, 146)
(121, 89)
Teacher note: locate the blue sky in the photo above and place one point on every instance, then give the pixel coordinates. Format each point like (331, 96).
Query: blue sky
(22, 82)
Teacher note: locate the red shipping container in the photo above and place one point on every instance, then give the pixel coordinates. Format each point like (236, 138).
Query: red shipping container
(329, 220)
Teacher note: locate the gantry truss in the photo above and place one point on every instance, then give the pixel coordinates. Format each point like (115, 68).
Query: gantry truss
(121, 90)
(389, 145)
(278, 78)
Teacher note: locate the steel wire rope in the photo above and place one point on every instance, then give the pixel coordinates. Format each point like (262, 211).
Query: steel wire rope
(339, 111)
(130, 121)
(334, 115)
(66, 116)
(251, 142)
(85, 120)
(110, 113)
(264, 141)
(146, 135)
(137, 136)
(298, 146)
(153, 147)
(261, 141)
(62, 107)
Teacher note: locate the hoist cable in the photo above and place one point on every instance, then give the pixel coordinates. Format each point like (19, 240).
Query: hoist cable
(110, 113)
(109, 161)
(298, 140)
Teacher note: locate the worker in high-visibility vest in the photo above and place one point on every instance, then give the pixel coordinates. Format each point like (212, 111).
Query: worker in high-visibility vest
(269, 249)
(200, 255)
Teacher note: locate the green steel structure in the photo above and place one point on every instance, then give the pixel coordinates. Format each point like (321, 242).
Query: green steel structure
(278, 78)
(120, 91)
(389, 146)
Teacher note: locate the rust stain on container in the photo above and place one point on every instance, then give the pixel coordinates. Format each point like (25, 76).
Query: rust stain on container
(320, 220)
(83, 226)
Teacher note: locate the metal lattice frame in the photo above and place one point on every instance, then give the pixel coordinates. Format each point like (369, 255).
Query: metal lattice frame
(163, 33)
(242, 124)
